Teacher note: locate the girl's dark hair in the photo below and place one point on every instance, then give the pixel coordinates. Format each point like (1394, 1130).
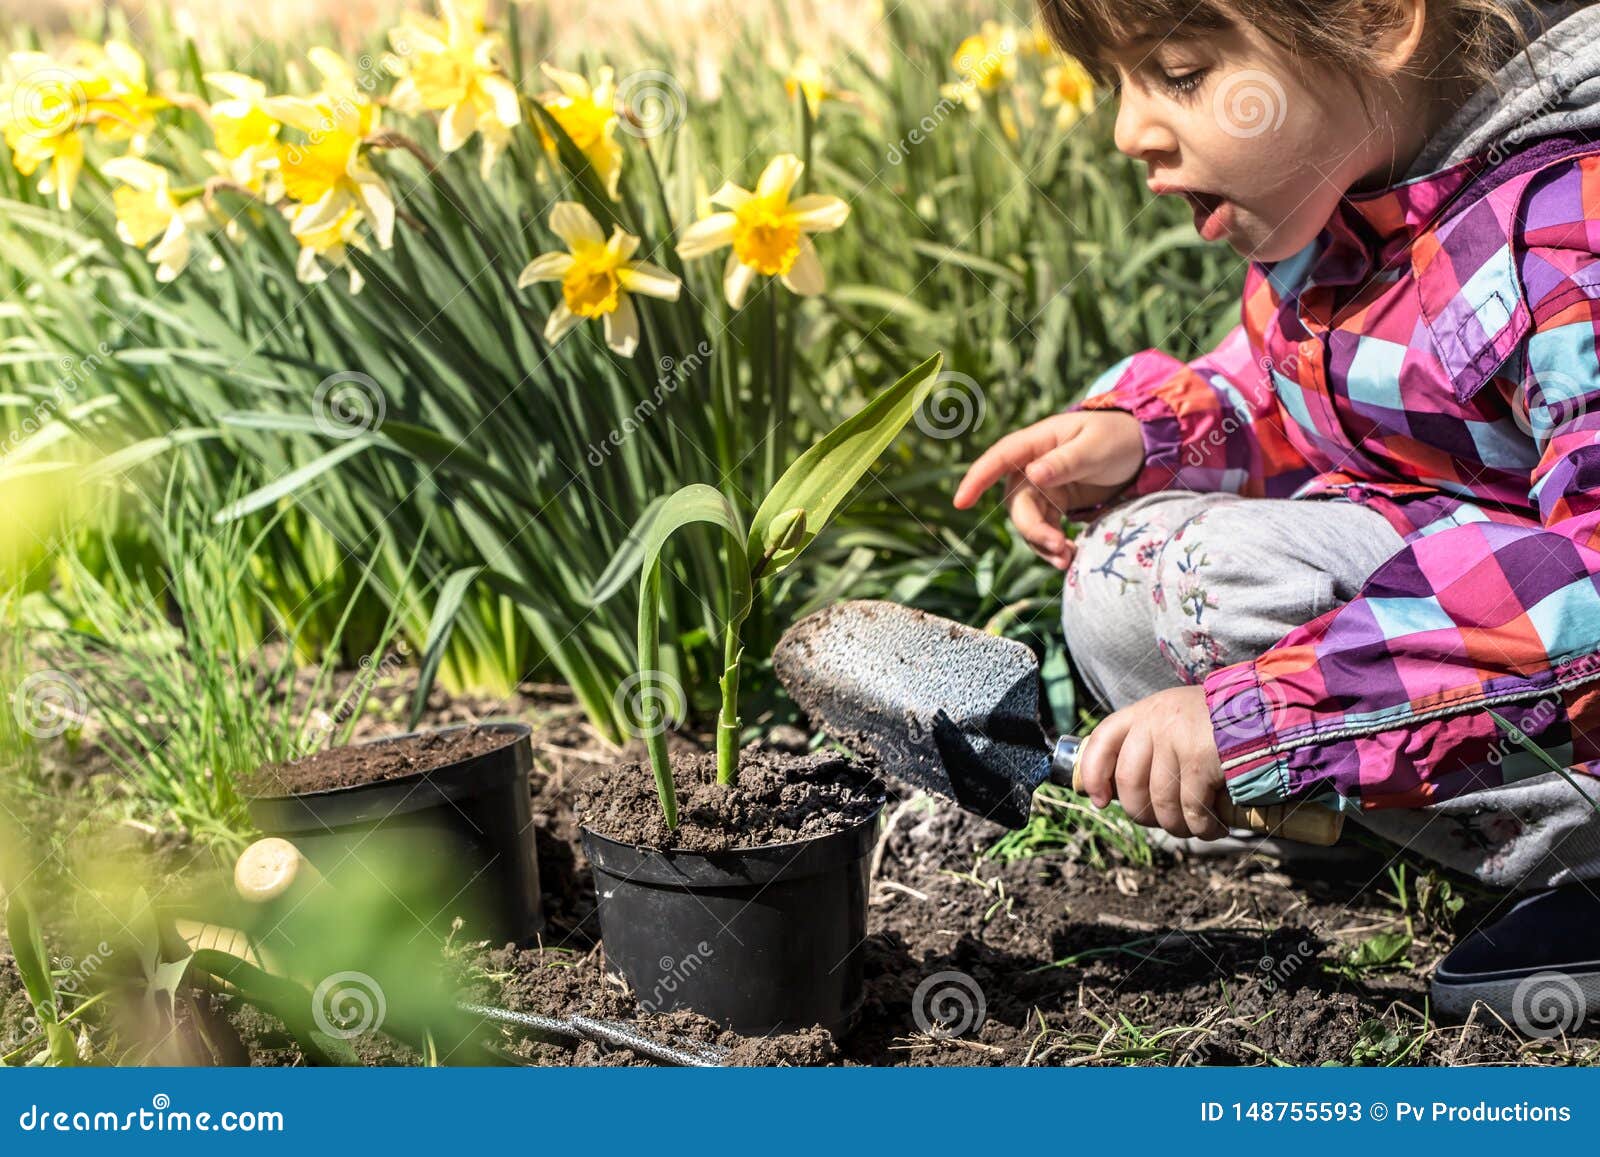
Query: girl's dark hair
(1466, 40)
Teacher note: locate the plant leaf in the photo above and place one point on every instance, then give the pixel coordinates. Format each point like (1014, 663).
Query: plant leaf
(821, 479)
(444, 617)
(694, 503)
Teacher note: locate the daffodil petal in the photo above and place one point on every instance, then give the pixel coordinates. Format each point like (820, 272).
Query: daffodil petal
(805, 275)
(457, 125)
(622, 244)
(779, 177)
(296, 112)
(650, 280)
(571, 84)
(736, 279)
(574, 224)
(545, 267)
(560, 323)
(818, 212)
(135, 172)
(237, 85)
(379, 204)
(731, 196)
(307, 270)
(622, 328)
(503, 97)
(706, 234)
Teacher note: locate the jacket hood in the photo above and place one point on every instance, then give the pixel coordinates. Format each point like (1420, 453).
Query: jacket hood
(1551, 89)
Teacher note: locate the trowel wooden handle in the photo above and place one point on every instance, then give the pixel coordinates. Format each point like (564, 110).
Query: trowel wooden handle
(1305, 823)
(271, 868)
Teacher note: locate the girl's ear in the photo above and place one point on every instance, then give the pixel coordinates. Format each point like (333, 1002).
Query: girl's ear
(1397, 31)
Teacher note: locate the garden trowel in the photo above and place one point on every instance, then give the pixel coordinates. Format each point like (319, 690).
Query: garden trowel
(955, 711)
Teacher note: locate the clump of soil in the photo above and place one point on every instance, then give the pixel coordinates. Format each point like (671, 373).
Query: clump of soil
(541, 981)
(778, 799)
(357, 764)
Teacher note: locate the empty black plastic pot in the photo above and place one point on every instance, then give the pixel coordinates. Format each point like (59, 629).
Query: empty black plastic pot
(466, 826)
(758, 939)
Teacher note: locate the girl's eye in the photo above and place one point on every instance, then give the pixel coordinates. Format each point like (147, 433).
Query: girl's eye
(1183, 83)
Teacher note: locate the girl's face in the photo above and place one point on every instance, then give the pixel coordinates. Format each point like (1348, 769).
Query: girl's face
(1260, 147)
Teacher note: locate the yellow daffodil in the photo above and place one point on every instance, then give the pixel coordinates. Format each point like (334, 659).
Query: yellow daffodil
(46, 102)
(769, 232)
(597, 277)
(807, 76)
(326, 175)
(449, 66)
(986, 62)
(330, 244)
(245, 133)
(147, 211)
(587, 113)
(1037, 41)
(1069, 90)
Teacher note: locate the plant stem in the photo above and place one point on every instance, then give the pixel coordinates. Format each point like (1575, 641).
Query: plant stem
(728, 716)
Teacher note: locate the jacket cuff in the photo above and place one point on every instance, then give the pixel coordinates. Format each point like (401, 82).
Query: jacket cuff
(1133, 386)
(1244, 726)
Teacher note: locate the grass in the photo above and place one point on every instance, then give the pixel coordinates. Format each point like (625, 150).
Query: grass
(167, 666)
(1067, 824)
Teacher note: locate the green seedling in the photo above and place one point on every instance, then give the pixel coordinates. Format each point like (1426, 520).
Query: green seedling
(791, 515)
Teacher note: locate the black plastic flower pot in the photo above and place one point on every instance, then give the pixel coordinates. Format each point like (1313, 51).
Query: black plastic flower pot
(465, 827)
(761, 940)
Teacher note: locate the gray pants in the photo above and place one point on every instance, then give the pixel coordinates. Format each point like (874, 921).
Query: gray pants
(1168, 587)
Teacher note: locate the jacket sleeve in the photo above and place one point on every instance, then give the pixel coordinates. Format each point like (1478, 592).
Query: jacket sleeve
(1213, 424)
(1386, 701)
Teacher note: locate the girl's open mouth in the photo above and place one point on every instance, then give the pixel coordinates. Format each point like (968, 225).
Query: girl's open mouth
(1213, 215)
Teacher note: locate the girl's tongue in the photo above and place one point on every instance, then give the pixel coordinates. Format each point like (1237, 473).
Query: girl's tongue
(1213, 215)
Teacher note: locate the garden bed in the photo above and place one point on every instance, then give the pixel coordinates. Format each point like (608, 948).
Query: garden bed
(1076, 955)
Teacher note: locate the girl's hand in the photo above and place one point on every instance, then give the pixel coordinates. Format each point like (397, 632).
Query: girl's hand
(1067, 462)
(1158, 758)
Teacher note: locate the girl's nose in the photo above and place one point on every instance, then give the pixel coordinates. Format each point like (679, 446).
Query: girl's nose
(1139, 133)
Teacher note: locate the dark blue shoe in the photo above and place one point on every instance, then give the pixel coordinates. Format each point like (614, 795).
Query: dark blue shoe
(1537, 967)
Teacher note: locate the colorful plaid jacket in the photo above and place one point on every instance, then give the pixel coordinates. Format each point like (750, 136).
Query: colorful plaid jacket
(1433, 355)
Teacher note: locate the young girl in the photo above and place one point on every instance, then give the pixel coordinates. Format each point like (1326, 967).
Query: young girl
(1370, 518)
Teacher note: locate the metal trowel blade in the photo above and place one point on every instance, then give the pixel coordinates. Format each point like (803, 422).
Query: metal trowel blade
(947, 708)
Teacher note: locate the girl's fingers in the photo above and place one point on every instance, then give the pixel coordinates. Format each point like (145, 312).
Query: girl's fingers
(1010, 455)
(1166, 792)
(1133, 775)
(1036, 520)
(1068, 462)
(1098, 759)
(1200, 809)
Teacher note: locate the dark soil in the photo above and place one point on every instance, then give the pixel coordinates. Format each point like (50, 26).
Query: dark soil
(1075, 955)
(779, 798)
(358, 764)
